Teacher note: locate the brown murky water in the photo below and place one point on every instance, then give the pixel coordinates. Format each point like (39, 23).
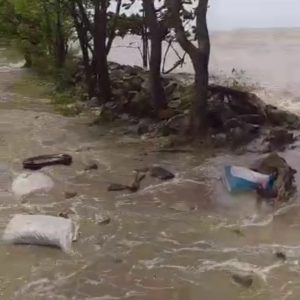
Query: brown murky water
(177, 240)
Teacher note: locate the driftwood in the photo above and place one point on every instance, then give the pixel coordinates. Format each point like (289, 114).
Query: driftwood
(134, 187)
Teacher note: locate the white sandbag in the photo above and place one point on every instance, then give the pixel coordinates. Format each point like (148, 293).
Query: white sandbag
(31, 182)
(40, 230)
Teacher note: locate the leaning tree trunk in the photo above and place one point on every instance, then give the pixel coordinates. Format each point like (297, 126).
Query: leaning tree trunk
(156, 88)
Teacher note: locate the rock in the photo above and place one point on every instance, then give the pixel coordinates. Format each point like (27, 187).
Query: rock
(102, 219)
(69, 195)
(124, 117)
(280, 255)
(132, 129)
(233, 123)
(116, 187)
(242, 135)
(266, 194)
(139, 105)
(244, 280)
(170, 88)
(118, 260)
(161, 173)
(219, 139)
(143, 126)
(176, 124)
(91, 166)
(93, 102)
(281, 118)
(238, 231)
(284, 184)
(66, 213)
(174, 104)
(253, 119)
(279, 138)
(165, 114)
(136, 83)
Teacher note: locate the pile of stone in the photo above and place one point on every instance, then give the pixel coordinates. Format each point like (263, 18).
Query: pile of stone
(235, 117)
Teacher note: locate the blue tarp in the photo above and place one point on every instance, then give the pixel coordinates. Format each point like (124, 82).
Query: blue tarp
(240, 179)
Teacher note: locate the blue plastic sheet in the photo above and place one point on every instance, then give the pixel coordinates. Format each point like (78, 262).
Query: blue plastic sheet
(240, 179)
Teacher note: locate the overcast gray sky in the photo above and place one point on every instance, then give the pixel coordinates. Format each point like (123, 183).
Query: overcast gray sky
(231, 14)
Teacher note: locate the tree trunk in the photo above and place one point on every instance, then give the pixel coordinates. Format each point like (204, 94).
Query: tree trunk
(198, 115)
(82, 33)
(156, 88)
(145, 43)
(200, 62)
(145, 48)
(112, 34)
(28, 59)
(60, 41)
(199, 57)
(103, 86)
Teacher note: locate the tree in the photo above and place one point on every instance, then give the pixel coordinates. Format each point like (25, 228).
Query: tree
(199, 56)
(157, 34)
(96, 29)
(40, 27)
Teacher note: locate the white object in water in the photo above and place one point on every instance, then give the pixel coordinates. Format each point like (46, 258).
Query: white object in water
(31, 182)
(40, 230)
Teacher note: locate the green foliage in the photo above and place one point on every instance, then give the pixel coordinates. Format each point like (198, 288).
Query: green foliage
(8, 19)
(41, 27)
(133, 24)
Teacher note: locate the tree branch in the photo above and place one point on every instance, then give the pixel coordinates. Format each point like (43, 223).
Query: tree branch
(112, 34)
(175, 7)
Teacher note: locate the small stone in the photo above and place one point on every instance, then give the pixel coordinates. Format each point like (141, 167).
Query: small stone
(161, 173)
(93, 102)
(66, 213)
(92, 166)
(238, 231)
(118, 260)
(103, 220)
(243, 280)
(69, 195)
(280, 255)
(116, 187)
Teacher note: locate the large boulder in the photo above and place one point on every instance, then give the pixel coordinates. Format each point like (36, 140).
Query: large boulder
(285, 183)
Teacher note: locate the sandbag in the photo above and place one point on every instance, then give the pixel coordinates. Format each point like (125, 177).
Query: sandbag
(40, 230)
(240, 179)
(31, 182)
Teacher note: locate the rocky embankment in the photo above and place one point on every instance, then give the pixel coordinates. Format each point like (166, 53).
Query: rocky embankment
(235, 117)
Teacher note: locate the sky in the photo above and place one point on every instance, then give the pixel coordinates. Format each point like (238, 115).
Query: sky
(234, 14)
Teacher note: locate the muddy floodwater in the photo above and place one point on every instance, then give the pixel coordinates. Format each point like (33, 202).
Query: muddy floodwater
(181, 239)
